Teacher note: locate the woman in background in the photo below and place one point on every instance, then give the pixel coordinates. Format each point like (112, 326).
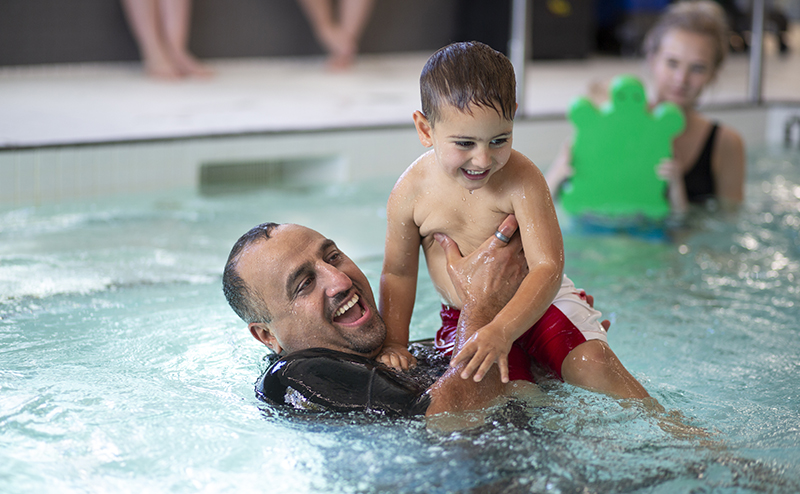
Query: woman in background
(685, 50)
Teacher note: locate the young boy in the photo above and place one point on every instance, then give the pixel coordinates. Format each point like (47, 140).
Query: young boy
(464, 188)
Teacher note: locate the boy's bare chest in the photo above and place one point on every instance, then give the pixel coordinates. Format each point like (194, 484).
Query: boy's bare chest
(469, 219)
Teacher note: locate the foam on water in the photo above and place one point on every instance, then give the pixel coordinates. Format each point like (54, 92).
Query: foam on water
(123, 370)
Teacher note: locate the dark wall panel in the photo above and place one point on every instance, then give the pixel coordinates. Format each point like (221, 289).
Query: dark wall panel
(69, 31)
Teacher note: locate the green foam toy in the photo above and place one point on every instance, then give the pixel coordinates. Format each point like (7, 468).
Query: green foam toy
(615, 153)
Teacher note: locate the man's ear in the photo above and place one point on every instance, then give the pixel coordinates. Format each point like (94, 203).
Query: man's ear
(424, 129)
(261, 332)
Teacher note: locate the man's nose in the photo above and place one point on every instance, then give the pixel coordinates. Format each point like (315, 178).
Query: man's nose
(335, 281)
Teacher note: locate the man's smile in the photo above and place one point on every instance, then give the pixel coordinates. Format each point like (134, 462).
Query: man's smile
(350, 312)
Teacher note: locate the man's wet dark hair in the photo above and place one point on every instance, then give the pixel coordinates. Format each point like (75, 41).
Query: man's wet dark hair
(245, 303)
(466, 74)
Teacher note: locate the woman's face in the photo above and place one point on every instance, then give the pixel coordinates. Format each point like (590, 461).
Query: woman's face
(682, 67)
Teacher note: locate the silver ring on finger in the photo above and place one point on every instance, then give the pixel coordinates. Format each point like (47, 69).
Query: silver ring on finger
(501, 237)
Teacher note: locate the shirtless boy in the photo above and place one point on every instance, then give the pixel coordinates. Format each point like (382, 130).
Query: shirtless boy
(463, 188)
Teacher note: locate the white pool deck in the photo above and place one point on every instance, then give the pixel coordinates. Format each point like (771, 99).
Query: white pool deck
(266, 108)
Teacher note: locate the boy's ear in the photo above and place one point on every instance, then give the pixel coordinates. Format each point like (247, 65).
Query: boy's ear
(261, 332)
(424, 129)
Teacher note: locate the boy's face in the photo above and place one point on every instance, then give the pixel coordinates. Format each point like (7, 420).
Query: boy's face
(470, 148)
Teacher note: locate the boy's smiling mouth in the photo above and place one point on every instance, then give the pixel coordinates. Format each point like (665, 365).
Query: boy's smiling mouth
(474, 174)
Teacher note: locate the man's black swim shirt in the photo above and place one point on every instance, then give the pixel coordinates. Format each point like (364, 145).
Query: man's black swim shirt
(326, 380)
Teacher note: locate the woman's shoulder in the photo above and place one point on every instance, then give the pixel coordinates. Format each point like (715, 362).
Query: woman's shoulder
(728, 137)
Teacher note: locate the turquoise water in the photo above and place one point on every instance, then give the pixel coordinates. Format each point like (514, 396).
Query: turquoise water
(123, 370)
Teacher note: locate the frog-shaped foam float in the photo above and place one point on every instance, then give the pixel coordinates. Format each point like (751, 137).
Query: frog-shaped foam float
(615, 153)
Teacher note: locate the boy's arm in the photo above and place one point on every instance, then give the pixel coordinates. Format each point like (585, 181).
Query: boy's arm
(484, 288)
(398, 284)
(544, 252)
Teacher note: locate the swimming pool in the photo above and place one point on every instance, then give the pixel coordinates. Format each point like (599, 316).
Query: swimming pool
(123, 370)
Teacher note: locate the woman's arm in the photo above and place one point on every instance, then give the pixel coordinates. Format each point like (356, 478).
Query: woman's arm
(560, 170)
(728, 167)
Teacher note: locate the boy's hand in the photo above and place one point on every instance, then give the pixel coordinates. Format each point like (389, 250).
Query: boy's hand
(397, 357)
(485, 348)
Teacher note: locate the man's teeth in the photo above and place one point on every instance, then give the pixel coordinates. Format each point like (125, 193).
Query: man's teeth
(346, 306)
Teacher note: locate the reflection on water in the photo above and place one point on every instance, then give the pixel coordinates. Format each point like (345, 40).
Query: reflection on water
(122, 369)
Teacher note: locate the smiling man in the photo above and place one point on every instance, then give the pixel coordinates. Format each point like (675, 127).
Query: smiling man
(310, 304)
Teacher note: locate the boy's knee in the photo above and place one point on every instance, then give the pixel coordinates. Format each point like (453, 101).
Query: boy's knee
(589, 362)
(593, 365)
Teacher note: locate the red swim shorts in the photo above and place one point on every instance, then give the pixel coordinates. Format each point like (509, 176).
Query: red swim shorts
(548, 342)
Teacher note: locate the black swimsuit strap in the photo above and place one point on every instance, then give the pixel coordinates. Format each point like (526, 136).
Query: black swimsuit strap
(699, 179)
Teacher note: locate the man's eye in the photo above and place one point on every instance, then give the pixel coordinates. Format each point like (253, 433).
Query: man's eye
(305, 284)
(334, 257)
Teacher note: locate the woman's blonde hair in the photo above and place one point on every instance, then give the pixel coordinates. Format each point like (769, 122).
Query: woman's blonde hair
(704, 17)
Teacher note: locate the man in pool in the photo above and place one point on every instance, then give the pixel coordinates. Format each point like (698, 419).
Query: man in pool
(310, 304)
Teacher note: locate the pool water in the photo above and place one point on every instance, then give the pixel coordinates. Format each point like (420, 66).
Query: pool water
(123, 370)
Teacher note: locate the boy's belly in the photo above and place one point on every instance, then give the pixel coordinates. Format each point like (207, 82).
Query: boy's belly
(437, 269)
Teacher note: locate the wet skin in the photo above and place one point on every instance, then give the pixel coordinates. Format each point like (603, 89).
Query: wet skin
(316, 295)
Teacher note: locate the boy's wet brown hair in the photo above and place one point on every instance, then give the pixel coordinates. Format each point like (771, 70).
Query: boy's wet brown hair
(466, 74)
(704, 17)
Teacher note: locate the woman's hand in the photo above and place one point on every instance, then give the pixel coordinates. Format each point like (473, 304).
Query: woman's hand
(668, 169)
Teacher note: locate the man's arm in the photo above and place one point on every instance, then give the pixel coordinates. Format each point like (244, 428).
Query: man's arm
(485, 281)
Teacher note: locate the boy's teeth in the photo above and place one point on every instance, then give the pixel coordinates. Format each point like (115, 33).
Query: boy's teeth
(346, 306)
(473, 172)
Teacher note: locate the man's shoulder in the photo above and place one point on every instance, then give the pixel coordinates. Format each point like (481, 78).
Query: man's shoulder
(327, 380)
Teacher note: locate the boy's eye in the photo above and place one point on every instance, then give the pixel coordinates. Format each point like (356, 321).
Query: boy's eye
(499, 142)
(672, 63)
(464, 144)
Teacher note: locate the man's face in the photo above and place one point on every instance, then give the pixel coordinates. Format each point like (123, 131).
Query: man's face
(317, 296)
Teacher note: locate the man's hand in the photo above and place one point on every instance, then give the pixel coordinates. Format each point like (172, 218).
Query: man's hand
(490, 276)
(485, 281)
(397, 357)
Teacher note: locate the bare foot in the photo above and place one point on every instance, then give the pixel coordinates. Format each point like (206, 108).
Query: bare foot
(161, 69)
(342, 49)
(190, 66)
